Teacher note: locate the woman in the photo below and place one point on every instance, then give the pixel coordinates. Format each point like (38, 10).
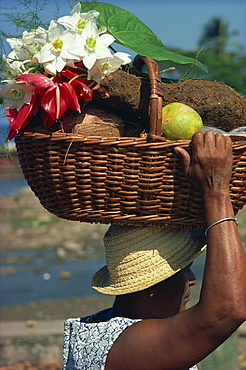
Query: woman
(148, 269)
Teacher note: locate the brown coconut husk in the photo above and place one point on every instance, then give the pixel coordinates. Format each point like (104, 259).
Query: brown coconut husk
(218, 104)
(93, 119)
(97, 119)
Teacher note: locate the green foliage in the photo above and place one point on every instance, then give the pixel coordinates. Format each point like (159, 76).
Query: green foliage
(226, 62)
(130, 32)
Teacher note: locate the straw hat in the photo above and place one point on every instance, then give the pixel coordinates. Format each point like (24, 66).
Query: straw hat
(139, 257)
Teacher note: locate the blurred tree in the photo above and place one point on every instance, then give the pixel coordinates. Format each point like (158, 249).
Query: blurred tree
(216, 36)
(226, 61)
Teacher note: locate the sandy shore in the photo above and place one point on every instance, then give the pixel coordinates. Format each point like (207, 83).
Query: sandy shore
(56, 310)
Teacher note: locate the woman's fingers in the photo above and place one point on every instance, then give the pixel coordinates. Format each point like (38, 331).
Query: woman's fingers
(210, 161)
(198, 141)
(184, 157)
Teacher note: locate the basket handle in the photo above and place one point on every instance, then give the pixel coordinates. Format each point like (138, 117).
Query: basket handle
(156, 94)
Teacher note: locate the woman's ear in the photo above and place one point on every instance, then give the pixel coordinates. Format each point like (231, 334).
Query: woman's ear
(151, 292)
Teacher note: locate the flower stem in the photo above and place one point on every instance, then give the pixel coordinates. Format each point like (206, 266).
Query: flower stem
(74, 78)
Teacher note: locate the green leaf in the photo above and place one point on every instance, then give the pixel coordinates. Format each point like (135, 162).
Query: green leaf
(132, 33)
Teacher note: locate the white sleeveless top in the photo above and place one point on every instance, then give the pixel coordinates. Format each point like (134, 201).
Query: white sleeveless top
(87, 342)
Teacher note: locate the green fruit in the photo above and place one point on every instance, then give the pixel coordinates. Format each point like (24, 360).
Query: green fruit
(179, 121)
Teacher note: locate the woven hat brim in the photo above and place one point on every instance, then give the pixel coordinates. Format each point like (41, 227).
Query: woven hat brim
(153, 268)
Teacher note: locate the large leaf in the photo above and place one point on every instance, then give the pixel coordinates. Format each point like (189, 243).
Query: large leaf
(129, 31)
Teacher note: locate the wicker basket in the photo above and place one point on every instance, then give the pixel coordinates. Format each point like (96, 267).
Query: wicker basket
(124, 180)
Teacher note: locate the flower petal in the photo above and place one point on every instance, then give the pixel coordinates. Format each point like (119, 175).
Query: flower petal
(49, 68)
(60, 63)
(48, 102)
(11, 115)
(47, 120)
(70, 21)
(25, 112)
(38, 80)
(83, 92)
(19, 120)
(106, 39)
(55, 30)
(69, 97)
(41, 38)
(16, 93)
(46, 54)
(76, 9)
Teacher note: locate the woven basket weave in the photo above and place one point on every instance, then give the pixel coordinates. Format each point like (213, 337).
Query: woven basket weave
(124, 180)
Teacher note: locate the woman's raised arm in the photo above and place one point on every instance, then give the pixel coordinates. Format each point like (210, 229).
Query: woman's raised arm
(183, 340)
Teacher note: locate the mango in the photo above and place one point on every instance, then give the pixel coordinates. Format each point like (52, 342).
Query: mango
(179, 121)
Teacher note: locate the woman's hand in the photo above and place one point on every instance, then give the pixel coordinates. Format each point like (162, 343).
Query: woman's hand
(210, 164)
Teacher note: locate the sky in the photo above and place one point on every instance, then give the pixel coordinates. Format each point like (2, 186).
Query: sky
(178, 23)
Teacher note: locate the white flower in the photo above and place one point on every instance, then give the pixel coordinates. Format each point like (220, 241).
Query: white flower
(103, 67)
(25, 48)
(19, 52)
(76, 21)
(16, 93)
(22, 57)
(93, 46)
(11, 68)
(55, 44)
(28, 38)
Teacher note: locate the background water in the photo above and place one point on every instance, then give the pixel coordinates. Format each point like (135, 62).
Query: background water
(11, 186)
(36, 276)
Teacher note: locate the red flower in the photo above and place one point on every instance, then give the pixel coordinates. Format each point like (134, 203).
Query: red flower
(56, 100)
(54, 96)
(20, 119)
(79, 84)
